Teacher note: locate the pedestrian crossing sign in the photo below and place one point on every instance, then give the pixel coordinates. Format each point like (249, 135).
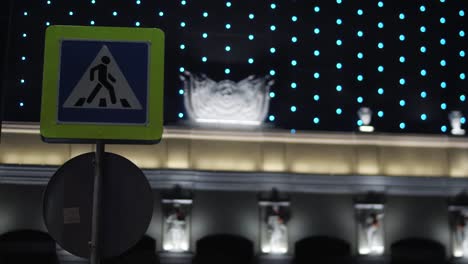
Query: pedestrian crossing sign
(103, 83)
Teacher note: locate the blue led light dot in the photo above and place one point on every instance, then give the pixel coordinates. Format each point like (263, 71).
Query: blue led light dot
(402, 103)
(181, 115)
(462, 98)
(380, 4)
(422, 29)
(294, 18)
(423, 72)
(228, 26)
(443, 129)
(339, 88)
(360, 55)
(25, 35)
(205, 35)
(402, 81)
(380, 45)
(227, 48)
(92, 22)
(293, 85)
(443, 106)
(423, 117)
(251, 37)
(442, 20)
(380, 91)
(402, 59)
(317, 9)
(250, 60)
(380, 114)
(293, 62)
(161, 13)
(293, 108)
(423, 49)
(271, 118)
(360, 34)
(272, 27)
(339, 42)
(272, 95)
(360, 99)
(402, 125)
(21, 104)
(228, 4)
(115, 13)
(402, 37)
(183, 2)
(380, 25)
(360, 78)
(316, 120)
(204, 59)
(339, 111)
(137, 24)
(462, 76)
(443, 63)
(380, 68)
(272, 72)
(272, 50)
(205, 14)
(316, 53)
(422, 8)
(251, 16)
(443, 85)
(461, 13)
(316, 75)
(462, 53)
(181, 91)
(227, 71)
(339, 66)
(359, 122)
(461, 33)
(182, 69)
(401, 16)
(443, 41)
(360, 12)
(273, 6)
(294, 39)
(182, 46)
(317, 30)
(316, 97)
(339, 21)
(423, 94)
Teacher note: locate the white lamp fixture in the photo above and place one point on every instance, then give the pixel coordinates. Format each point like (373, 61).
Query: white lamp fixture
(370, 228)
(365, 116)
(226, 102)
(459, 230)
(176, 222)
(455, 122)
(274, 218)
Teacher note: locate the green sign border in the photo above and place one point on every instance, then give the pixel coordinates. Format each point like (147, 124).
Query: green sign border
(52, 131)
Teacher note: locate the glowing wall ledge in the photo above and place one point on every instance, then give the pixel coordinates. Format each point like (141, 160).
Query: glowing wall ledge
(262, 151)
(256, 182)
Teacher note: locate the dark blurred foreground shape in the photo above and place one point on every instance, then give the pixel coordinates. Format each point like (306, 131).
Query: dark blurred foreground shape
(417, 251)
(224, 249)
(144, 252)
(27, 247)
(322, 250)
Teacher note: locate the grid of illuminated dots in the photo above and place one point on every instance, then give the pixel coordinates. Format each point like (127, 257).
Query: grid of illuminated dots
(406, 60)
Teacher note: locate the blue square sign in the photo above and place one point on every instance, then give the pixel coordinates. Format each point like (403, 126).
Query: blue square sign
(103, 82)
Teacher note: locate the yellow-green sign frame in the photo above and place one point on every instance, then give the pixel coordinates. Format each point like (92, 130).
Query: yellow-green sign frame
(54, 131)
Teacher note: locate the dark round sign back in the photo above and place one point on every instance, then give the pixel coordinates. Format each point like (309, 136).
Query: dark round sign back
(126, 212)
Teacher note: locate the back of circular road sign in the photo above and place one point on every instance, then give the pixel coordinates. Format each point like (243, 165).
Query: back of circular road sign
(127, 205)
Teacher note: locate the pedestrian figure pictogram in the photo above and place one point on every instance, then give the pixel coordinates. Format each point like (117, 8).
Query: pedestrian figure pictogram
(103, 72)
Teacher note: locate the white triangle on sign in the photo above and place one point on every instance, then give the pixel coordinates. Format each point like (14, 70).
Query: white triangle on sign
(103, 86)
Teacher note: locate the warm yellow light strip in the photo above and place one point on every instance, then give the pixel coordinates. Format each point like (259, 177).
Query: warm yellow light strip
(281, 136)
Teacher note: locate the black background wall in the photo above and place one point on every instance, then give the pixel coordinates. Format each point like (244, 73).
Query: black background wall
(237, 213)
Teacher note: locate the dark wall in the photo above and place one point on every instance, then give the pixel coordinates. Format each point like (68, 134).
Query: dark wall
(237, 213)
(21, 208)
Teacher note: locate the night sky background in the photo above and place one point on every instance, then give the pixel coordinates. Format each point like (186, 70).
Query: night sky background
(403, 59)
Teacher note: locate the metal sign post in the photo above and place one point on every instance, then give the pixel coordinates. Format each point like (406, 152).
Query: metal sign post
(101, 85)
(95, 225)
